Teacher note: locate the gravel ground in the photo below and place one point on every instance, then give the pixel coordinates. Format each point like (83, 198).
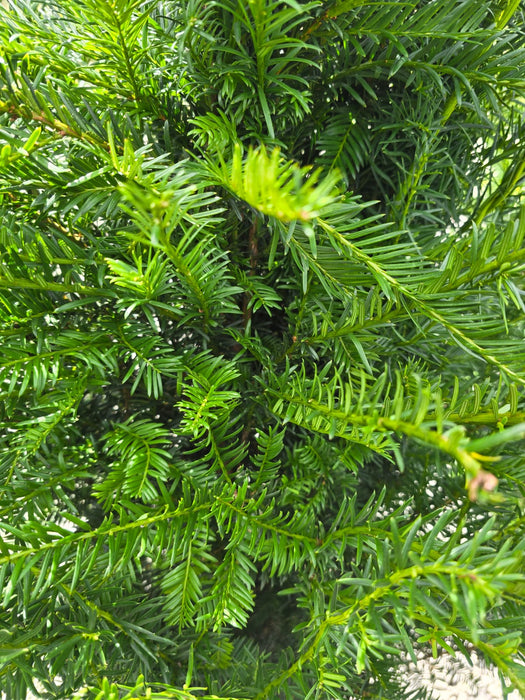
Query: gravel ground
(448, 678)
(452, 678)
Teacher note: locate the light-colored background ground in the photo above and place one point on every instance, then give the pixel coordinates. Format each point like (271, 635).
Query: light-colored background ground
(454, 679)
(448, 678)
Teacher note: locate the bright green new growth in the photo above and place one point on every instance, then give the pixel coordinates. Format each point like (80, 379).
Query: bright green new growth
(275, 187)
(262, 345)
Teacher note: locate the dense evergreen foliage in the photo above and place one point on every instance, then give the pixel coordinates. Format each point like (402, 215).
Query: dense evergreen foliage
(262, 345)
